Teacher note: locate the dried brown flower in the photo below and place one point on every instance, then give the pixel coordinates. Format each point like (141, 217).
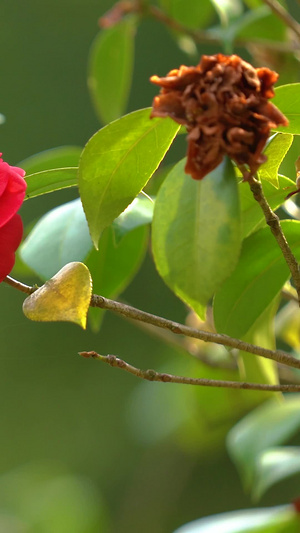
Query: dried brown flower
(223, 102)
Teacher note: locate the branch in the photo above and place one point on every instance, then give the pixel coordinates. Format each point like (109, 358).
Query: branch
(284, 15)
(143, 9)
(179, 329)
(136, 314)
(19, 286)
(167, 337)
(202, 36)
(273, 221)
(152, 375)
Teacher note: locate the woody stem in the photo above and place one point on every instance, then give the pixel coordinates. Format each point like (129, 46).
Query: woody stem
(152, 375)
(274, 223)
(133, 313)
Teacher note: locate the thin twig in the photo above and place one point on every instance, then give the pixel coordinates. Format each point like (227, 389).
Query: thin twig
(284, 15)
(273, 221)
(152, 375)
(203, 36)
(199, 36)
(167, 337)
(19, 286)
(180, 329)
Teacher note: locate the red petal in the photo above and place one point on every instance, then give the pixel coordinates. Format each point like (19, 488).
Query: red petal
(10, 239)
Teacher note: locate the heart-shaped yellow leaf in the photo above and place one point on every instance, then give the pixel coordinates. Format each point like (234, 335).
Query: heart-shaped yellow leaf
(65, 297)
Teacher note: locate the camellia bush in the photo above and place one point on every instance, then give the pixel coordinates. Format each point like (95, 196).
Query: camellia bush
(224, 222)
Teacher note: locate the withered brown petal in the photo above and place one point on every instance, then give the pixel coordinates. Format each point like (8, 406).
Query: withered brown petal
(223, 102)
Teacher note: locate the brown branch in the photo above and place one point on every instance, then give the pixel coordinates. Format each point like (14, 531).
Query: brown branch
(136, 314)
(284, 15)
(152, 375)
(273, 221)
(143, 9)
(18, 285)
(166, 336)
(179, 329)
(202, 36)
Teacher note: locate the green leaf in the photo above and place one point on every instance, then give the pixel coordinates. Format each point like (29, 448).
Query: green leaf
(262, 23)
(51, 170)
(274, 465)
(287, 99)
(268, 520)
(251, 213)
(269, 425)
(117, 162)
(228, 10)
(261, 19)
(259, 276)
(65, 297)
(50, 180)
(60, 236)
(257, 369)
(63, 156)
(114, 265)
(188, 12)
(196, 232)
(110, 69)
(138, 213)
(277, 148)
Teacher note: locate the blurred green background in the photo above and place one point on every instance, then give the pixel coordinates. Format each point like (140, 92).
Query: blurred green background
(84, 447)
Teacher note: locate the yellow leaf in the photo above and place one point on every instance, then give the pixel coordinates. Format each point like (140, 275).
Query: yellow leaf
(65, 297)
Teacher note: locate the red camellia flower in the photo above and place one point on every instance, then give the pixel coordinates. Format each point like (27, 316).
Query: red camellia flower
(12, 193)
(224, 104)
(10, 238)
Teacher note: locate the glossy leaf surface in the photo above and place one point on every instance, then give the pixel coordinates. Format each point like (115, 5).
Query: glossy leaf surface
(196, 232)
(110, 69)
(62, 156)
(116, 164)
(51, 170)
(60, 236)
(287, 99)
(259, 276)
(114, 265)
(276, 150)
(273, 465)
(261, 22)
(271, 424)
(138, 213)
(265, 520)
(50, 180)
(188, 12)
(228, 10)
